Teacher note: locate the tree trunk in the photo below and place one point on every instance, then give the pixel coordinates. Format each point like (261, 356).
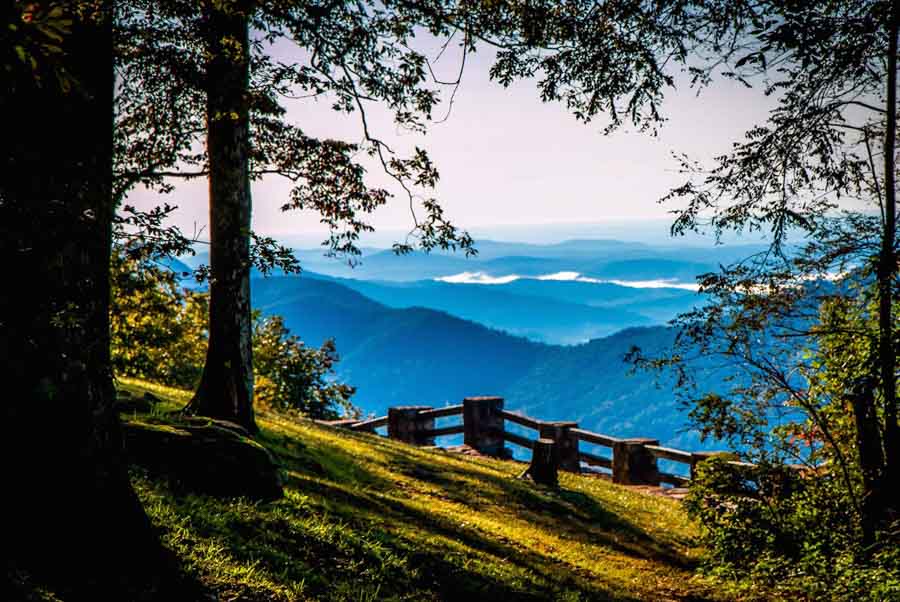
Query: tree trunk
(544, 467)
(75, 521)
(884, 489)
(226, 386)
(871, 458)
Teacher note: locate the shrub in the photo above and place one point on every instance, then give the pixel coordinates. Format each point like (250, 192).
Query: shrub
(159, 333)
(292, 376)
(793, 533)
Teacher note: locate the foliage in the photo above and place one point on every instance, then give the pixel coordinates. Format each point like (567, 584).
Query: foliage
(293, 376)
(808, 332)
(366, 518)
(159, 333)
(798, 531)
(31, 38)
(800, 355)
(158, 329)
(355, 55)
(795, 534)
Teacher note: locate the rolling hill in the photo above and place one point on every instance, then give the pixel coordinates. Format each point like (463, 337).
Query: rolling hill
(547, 317)
(422, 356)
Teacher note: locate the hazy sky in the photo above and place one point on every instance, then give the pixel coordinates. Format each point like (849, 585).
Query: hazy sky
(507, 160)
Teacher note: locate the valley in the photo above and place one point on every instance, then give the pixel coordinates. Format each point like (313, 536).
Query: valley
(554, 347)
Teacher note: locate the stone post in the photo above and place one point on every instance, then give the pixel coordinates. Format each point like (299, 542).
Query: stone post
(483, 425)
(566, 443)
(633, 464)
(404, 424)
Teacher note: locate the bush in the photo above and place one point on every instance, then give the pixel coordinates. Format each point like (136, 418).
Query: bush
(793, 533)
(159, 333)
(291, 376)
(158, 329)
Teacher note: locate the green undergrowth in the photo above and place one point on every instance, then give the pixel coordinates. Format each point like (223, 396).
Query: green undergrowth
(366, 518)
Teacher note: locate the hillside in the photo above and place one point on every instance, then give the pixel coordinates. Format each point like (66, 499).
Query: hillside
(396, 356)
(421, 356)
(542, 315)
(364, 518)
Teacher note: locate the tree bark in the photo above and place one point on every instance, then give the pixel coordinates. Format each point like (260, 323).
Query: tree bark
(226, 386)
(75, 520)
(544, 467)
(884, 489)
(871, 458)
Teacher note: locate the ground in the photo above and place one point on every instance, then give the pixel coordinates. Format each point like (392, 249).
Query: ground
(366, 518)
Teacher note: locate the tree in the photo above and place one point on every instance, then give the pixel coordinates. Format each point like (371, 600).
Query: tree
(226, 386)
(832, 69)
(56, 209)
(159, 333)
(354, 50)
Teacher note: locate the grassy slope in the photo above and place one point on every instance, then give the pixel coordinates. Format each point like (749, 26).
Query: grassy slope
(365, 518)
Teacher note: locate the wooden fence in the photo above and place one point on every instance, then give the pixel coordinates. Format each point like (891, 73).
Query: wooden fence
(632, 461)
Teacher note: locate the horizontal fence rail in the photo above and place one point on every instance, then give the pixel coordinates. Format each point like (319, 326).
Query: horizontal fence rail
(525, 421)
(674, 479)
(593, 460)
(667, 453)
(633, 461)
(595, 438)
(442, 412)
(448, 430)
(370, 425)
(518, 440)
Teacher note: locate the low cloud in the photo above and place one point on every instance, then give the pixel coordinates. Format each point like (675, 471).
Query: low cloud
(477, 278)
(484, 278)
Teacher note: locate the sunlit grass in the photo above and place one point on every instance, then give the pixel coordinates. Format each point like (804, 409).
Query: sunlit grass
(171, 397)
(365, 518)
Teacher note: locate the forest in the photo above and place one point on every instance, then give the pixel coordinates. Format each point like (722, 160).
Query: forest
(166, 441)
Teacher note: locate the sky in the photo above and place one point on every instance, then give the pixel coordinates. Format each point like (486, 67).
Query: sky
(512, 167)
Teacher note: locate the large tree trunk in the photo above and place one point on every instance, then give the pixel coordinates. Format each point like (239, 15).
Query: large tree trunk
(226, 387)
(74, 520)
(883, 493)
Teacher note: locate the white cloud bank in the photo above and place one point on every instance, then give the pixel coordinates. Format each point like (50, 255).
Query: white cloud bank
(483, 278)
(477, 278)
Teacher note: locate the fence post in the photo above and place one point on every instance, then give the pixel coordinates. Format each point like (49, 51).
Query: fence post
(544, 463)
(633, 464)
(404, 424)
(483, 424)
(566, 443)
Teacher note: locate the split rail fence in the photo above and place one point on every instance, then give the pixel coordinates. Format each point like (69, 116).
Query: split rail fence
(632, 461)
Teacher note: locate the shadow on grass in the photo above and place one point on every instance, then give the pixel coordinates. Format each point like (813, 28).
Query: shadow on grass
(573, 513)
(354, 527)
(357, 495)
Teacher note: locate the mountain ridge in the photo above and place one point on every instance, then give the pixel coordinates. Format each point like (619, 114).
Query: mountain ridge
(423, 356)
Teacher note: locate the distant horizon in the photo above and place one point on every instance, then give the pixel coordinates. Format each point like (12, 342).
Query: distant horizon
(653, 232)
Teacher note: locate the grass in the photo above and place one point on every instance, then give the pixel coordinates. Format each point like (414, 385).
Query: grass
(366, 518)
